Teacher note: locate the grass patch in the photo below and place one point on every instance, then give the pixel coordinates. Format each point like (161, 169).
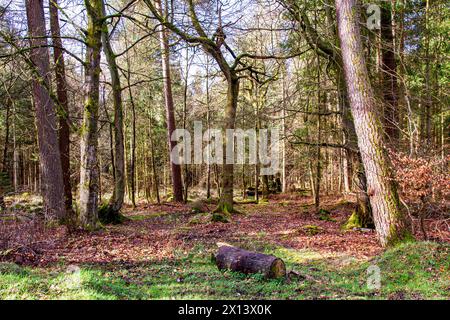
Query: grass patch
(410, 271)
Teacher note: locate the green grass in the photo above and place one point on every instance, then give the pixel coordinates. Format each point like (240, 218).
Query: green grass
(411, 271)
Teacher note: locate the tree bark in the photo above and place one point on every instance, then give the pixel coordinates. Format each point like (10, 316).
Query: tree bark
(226, 198)
(389, 76)
(52, 177)
(170, 113)
(236, 259)
(61, 91)
(390, 222)
(363, 211)
(117, 198)
(89, 172)
(5, 165)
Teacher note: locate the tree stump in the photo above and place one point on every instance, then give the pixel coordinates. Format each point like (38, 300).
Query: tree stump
(236, 259)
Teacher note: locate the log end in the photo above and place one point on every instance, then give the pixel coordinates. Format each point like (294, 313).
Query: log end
(277, 269)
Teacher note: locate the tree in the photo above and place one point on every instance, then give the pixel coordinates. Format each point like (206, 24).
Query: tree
(61, 91)
(89, 171)
(390, 222)
(213, 47)
(389, 76)
(328, 48)
(117, 198)
(216, 47)
(51, 171)
(170, 114)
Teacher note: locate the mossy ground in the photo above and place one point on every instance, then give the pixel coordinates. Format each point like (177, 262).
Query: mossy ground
(418, 270)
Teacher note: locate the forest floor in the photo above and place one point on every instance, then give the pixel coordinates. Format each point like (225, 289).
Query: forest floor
(164, 252)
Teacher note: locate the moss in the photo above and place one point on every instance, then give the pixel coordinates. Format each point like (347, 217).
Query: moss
(220, 217)
(225, 209)
(397, 238)
(312, 230)
(107, 215)
(352, 222)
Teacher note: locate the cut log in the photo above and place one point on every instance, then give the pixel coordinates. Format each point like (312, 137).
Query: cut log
(236, 259)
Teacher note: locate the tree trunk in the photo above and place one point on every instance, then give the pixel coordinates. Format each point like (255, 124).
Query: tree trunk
(226, 199)
(208, 124)
(236, 259)
(61, 90)
(187, 180)
(5, 164)
(170, 114)
(155, 176)
(116, 201)
(52, 177)
(89, 171)
(362, 215)
(390, 222)
(389, 76)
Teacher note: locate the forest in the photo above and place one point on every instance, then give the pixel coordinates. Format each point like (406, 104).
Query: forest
(224, 149)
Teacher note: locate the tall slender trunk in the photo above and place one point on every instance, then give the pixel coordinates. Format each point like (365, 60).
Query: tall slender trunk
(389, 76)
(428, 102)
(89, 171)
(390, 222)
(208, 124)
(185, 101)
(117, 198)
(133, 152)
(52, 177)
(170, 113)
(283, 130)
(318, 176)
(61, 90)
(155, 176)
(5, 165)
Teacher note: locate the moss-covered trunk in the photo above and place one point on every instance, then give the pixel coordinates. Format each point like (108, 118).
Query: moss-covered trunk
(89, 171)
(226, 199)
(117, 198)
(390, 222)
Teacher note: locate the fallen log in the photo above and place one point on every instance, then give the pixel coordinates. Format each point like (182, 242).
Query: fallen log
(236, 259)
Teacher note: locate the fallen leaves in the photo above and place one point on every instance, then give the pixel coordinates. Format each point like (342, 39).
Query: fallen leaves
(157, 232)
